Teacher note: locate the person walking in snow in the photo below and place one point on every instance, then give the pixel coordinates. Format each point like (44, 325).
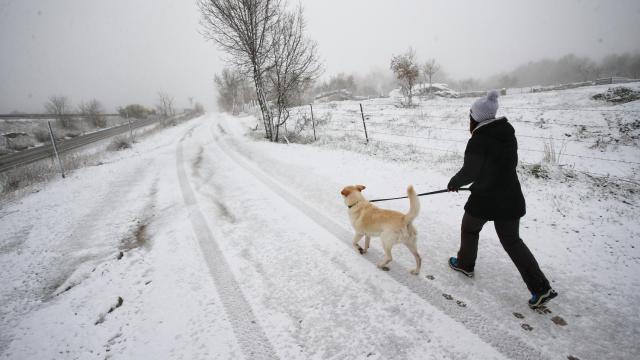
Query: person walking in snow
(490, 161)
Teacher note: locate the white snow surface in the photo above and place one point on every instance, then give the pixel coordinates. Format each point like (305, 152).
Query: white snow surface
(225, 246)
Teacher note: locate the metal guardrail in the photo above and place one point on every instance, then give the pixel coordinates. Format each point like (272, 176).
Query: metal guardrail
(25, 157)
(49, 116)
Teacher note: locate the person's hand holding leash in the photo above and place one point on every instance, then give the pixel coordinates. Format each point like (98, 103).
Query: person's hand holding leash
(452, 187)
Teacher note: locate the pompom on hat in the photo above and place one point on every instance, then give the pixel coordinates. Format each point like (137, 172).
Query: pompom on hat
(486, 107)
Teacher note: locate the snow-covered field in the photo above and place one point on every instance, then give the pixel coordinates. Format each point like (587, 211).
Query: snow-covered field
(202, 242)
(586, 135)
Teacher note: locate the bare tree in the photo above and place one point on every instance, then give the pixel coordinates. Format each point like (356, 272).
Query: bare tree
(92, 112)
(228, 83)
(247, 92)
(294, 65)
(59, 106)
(429, 69)
(165, 105)
(406, 70)
(242, 29)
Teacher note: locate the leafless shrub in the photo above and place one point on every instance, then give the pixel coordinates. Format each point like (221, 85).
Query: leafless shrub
(165, 105)
(323, 119)
(9, 183)
(60, 107)
(551, 154)
(303, 122)
(119, 143)
(42, 135)
(13, 180)
(92, 112)
(538, 171)
(233, 90)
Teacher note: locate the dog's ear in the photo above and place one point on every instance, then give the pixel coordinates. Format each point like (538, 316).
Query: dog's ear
(345, 192)
(360, 187)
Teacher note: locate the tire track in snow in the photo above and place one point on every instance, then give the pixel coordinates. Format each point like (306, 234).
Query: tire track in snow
(250, 336)
(507, 344)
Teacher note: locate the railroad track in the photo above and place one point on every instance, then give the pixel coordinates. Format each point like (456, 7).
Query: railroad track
(15, 160)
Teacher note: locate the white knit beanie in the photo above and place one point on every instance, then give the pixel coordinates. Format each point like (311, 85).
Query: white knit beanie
(486, 107)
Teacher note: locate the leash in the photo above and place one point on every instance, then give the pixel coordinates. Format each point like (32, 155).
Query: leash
(421, 194)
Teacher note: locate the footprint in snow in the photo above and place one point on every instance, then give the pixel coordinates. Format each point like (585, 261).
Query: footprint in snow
(558, 321)
(447, 296)
(526, 327)
(518, 315)
(543, 310)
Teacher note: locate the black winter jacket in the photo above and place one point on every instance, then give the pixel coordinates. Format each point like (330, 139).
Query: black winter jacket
(490, 161)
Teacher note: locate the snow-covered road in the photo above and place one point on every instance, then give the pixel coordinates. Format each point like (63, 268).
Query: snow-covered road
(222, 247)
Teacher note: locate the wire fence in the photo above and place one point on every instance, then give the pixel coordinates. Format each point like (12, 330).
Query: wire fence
(382, 131)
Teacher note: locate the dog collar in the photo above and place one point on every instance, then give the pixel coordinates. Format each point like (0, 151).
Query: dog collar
(352, 205)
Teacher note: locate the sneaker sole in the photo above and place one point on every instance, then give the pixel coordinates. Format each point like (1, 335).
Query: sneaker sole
(544, 299)
(466, 273)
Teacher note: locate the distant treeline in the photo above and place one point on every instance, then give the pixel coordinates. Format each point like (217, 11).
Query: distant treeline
(374, 83)
(567, 69)
(234, 89)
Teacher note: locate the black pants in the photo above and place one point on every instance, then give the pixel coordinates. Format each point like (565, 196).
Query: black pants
(508, 232)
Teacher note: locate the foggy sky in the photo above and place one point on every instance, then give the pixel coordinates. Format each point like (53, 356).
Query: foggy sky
(470, 38)
(122, 52)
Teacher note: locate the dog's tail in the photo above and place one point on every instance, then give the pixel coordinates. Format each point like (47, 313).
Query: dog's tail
(414, 205)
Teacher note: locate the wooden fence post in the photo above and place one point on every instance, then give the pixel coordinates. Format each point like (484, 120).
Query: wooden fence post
(364, 124)
(313, 123)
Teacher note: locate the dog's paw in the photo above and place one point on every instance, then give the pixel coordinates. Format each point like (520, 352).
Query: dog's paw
(360, 250)
(384, 268)
(364, 251)
(414, 272)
